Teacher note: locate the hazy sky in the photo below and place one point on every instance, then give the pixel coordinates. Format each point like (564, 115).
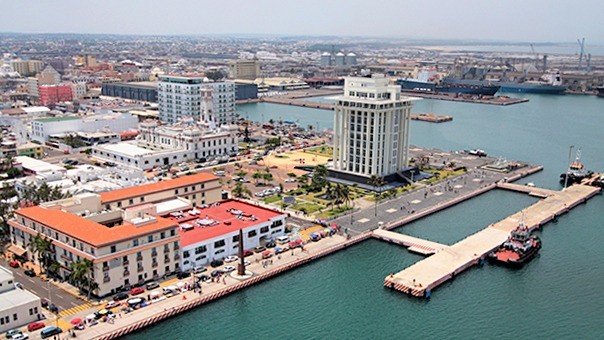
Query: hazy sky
(511, 20)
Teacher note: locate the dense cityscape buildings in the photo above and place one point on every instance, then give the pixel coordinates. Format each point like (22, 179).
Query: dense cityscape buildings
(127, 168)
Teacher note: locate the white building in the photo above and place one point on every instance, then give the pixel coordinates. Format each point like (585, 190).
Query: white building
(42, 129)
(78, 89)
(159, 145)
(18, 307)
(181, 97)
(212, 232)
(371, 128)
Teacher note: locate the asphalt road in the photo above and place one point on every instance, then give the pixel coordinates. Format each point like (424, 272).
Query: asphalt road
(60, 298)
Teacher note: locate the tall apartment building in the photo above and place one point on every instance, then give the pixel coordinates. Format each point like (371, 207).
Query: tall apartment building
(245, 69)
(121, 231)
(371, 128)
(27, 67)
(181, 97)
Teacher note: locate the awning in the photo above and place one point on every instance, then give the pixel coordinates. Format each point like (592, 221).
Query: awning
(17, 250)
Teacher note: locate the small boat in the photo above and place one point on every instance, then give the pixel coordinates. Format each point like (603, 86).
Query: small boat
(576, 172)
(518, 250)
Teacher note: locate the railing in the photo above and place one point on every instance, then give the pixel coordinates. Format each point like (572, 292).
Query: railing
(126, 273)
(140, 269)
(106, 279)
(139, 257)
(176, 257)
(126, 262)
(154, 264)
(105, 269)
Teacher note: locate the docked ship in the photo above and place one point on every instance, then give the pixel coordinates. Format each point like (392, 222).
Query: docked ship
(548, 84)
(576, 172)
(426, 81)
(600, 91)
(519, 248)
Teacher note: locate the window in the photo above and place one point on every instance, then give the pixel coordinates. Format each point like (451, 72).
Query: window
(176, 192)
(135, 243)
(162, 235)
(200, 249)
(186, 254)
(219, 244)
(236, 238)
(264, 229)
(131, 201)
(113, 249)
(252, 233)
(173, 232)
(150, 238)
(119, 204)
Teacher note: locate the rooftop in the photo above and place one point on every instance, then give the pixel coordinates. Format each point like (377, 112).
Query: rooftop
(125, 193)
(37, 165)
(128, 149)
(57, 119)
(88, 231)
(201, 224)
(14, 298)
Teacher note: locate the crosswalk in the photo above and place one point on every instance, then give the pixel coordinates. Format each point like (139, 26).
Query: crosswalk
(74, 310)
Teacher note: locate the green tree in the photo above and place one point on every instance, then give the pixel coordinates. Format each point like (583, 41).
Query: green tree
(241, 174)
(319, 179)
(81, 275)
(215, 75)
(40, 247)
(241, 191)
(257, 175)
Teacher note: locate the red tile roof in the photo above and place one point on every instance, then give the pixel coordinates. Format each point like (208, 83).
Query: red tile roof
(221, 215)
(121, 194)
(88, 231)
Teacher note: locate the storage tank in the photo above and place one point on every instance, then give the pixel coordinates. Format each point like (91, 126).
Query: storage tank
(351, 59)
(325, 59)
(340, 59)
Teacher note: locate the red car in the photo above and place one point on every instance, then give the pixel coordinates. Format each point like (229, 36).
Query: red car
(13, 264)
(35, 325)
(247, 253)
(137, 290)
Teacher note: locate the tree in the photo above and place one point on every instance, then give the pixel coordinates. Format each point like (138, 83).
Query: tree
(246, 134)
(241, 173)
(43, 193)
(81, 275)
(215, 75)
(319, 179)
(376, 181)
(257, 176)
(40, 248)
(241, 191)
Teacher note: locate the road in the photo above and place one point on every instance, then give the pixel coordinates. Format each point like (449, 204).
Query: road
(60, 298)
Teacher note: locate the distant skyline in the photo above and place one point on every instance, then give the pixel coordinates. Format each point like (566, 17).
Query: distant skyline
(505, 20)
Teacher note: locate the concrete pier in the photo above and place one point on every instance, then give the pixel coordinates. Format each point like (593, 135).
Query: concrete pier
(413, 244)
(422, 277)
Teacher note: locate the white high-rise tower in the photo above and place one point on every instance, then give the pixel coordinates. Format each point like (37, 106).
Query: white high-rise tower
(371, 128)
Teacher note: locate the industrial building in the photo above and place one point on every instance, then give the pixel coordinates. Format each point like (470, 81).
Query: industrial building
(145, 91)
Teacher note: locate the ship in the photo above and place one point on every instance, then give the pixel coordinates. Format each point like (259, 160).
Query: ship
(600, 91)
(426, 81)
(548, 84)
(576, 172)
(519, 248)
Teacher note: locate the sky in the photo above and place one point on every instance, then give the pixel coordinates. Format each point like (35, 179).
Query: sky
(499, 20)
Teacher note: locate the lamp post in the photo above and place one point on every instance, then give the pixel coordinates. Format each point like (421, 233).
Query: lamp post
(570, 152)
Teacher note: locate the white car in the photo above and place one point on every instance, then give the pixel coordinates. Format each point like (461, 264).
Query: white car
(290, 180)
(228, 269)
(259, 194)
(245, 262)
(230, 258)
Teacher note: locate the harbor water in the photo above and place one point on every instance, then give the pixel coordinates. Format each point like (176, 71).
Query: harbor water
(557, 295)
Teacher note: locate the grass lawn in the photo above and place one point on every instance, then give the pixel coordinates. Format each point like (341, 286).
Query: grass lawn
(323, 150)
(309, 208)
(335, 211)
(272, 199)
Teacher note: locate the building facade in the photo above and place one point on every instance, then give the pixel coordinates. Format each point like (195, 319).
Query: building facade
(181, 97)
(142, 91)
(121, 231)
(52, 94)
(245, 69)
(18, 307)
(42, 129)
(371, 128)
(212, 232)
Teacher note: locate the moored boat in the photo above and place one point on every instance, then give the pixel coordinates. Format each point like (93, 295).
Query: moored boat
(576, 172)
(519, 249)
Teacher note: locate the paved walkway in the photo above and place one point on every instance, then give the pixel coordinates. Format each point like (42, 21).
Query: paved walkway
(414, 244)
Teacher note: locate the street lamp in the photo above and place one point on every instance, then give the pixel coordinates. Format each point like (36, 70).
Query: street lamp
(570, 152)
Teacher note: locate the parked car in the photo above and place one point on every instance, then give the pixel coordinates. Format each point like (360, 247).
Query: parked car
(245, 262)
(228, 269)
(230, 258)
(216, 263)
(152, 285)
(14, 264)
(216, 272)
(30, 273)
(259, 249)
(183, 275)
(199, 269)
(53, 309)
(12, 332)
(270, 244)
(137, 290)
(50, 331)
(203, 278)
(20, 336)
(35, 326)
(282, 239)
(120, 296)
(112, 304)
(247, 253)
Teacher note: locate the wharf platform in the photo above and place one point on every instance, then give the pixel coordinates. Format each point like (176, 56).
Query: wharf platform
(423, 277)
(531, 190)
(413, 244)
(467, 98)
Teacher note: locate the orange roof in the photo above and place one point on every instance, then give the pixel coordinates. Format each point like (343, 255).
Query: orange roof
(227, 222)
(88, 231)
(120, 194)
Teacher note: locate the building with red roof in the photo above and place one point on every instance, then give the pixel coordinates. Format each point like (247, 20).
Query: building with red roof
(212, 232)
(122, 232)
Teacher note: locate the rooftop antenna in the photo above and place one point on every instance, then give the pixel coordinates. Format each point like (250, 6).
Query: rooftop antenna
(581, 50)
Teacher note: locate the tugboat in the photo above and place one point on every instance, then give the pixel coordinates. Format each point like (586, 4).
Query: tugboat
(576, 172)
(519, 249)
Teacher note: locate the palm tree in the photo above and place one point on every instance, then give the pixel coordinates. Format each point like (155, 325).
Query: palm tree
(267, 176)
(257, 176)
(240, 191)
(376, 181)
(81, 274)
(39, 247)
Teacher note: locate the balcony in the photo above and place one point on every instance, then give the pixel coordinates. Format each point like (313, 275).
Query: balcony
(106, 279)
(140, 269)
(154, 264)
(139, 257)
(154, 253)
(105, 269)
(167, 259)
(176, 247)
(166, 250)
(126, 273)
(176, 257)
(126, 262)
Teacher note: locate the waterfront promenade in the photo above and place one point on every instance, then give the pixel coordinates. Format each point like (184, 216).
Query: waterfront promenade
(424, 276)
